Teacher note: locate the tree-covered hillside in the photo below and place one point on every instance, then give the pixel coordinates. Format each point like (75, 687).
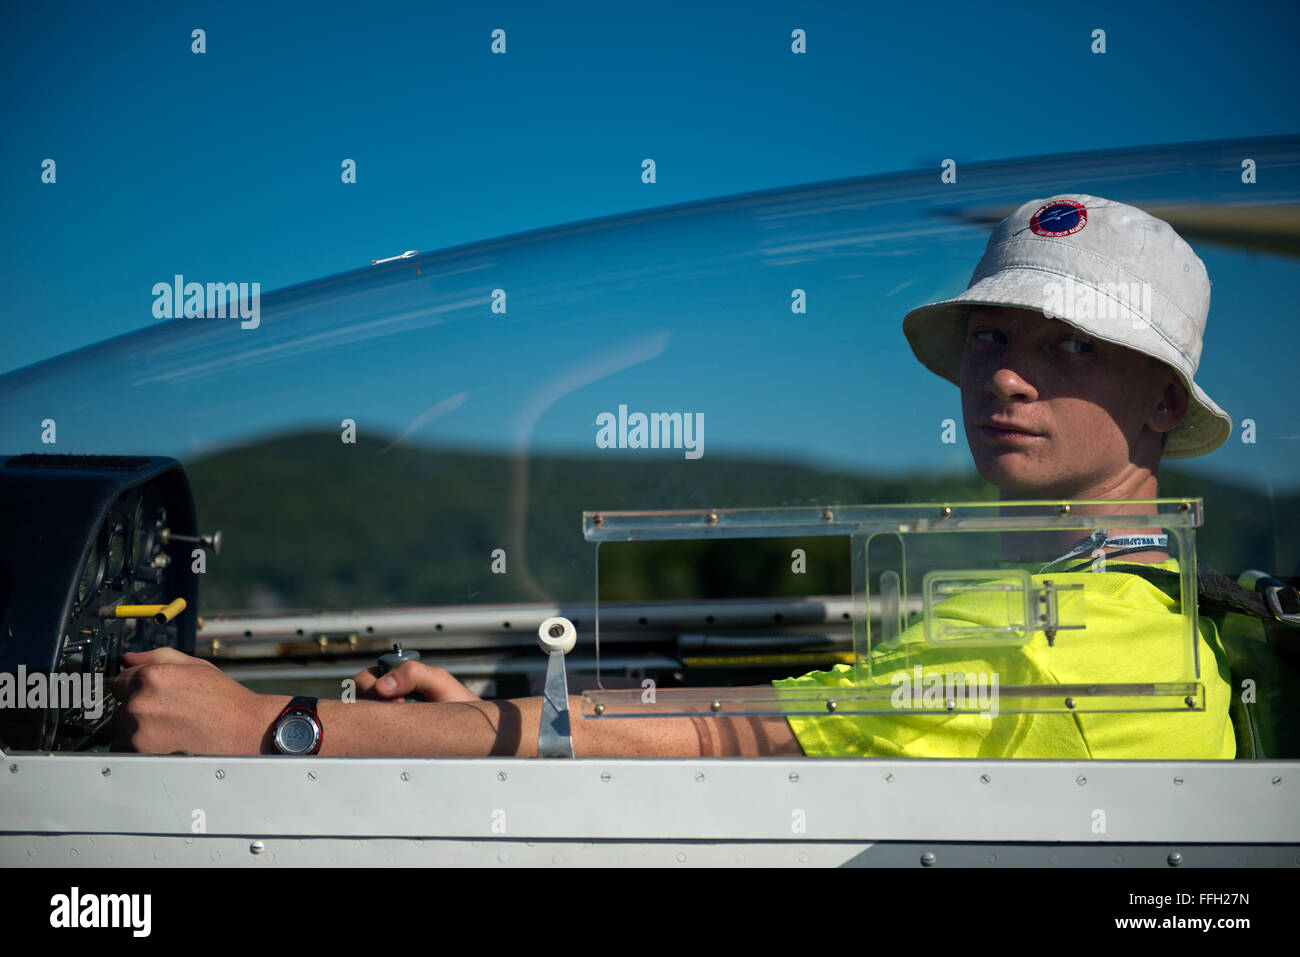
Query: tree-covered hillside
(309, 522)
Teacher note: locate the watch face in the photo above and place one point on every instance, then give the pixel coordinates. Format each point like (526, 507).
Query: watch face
(297, 734)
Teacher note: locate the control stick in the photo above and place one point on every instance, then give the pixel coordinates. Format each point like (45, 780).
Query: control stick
(391, 660)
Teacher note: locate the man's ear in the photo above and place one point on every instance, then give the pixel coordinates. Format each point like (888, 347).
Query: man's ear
(1171, 407)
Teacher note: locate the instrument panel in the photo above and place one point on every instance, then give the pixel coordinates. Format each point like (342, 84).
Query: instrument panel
(125, 563)
(95, 554)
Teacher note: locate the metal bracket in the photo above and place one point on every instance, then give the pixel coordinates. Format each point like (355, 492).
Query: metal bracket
(1029, 608)
(556, 636)
(1048, 620)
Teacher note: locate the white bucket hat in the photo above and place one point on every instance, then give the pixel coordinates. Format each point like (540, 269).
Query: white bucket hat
(1106, 268)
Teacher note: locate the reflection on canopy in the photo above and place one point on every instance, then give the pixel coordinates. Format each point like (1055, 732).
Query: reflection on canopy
(476, 379)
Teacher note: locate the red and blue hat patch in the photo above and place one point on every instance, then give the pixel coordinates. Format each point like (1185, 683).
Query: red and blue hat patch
(1060, 217)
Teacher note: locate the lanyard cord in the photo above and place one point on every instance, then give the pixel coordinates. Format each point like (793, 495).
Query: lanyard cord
(1101, 539)
(1124, 551)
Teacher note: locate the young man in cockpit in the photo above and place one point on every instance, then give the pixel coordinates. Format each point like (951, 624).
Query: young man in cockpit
(1077, 409)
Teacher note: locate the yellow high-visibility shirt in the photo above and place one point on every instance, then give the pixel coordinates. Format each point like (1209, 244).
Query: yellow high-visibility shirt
(1133, 634)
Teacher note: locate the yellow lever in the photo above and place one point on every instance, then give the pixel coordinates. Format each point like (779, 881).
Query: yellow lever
(159, 613)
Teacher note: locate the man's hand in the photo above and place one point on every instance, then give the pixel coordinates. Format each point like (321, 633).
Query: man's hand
(412, 677)
(172, 702)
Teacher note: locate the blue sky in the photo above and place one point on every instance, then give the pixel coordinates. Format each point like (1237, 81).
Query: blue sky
(227, 163)
(226, 166)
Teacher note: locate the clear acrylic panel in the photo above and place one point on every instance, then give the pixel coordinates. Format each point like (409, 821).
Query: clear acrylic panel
(967, 608)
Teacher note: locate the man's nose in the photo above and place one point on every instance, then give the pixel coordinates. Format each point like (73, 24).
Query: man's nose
(1007, 383)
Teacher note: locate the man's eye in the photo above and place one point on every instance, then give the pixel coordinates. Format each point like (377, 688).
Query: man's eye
(978, 334)
(1083, 345)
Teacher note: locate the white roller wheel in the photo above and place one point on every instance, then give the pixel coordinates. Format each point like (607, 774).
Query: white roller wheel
(564, 641)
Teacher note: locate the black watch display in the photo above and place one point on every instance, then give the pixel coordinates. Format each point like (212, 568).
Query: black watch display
(298, 729)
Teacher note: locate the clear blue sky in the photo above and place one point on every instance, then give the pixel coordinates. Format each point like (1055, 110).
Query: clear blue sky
(227, 164)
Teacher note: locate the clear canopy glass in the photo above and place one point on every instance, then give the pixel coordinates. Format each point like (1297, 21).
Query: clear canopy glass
(404, 451)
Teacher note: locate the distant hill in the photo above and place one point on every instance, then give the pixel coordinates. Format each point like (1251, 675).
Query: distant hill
(308, 522)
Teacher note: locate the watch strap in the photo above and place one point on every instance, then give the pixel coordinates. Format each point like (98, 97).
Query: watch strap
(301, 703)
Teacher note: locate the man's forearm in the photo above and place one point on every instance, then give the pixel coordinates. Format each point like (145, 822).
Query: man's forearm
(509, 729)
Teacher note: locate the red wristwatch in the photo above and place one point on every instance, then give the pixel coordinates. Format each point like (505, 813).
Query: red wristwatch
(298, 729)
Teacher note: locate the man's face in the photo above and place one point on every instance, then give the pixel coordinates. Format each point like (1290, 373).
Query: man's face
(1086, 407)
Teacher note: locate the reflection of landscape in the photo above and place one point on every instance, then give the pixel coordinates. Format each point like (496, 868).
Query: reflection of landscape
(308, 522)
